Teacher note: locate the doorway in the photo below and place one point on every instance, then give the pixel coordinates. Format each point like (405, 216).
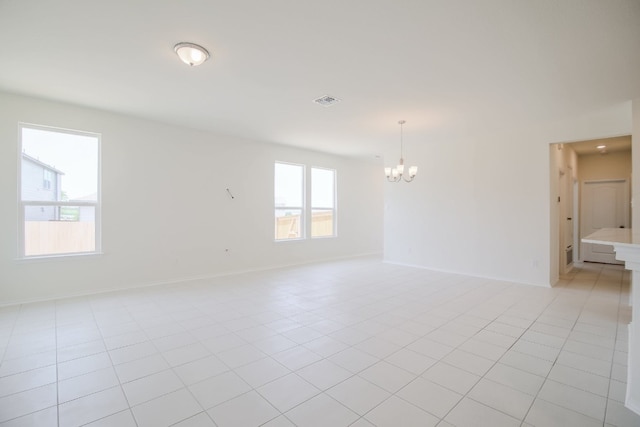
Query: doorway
(599, 170)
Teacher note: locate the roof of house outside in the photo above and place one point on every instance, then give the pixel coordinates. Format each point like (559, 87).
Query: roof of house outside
(39, 163)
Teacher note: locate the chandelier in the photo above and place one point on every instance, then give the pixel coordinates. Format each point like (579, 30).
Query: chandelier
(396, 174)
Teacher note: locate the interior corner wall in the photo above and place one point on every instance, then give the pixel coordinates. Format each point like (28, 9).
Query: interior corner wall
(166, 215)
(481, 204)
(635, 164)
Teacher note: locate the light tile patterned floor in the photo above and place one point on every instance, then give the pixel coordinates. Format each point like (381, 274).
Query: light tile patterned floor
(357, 342)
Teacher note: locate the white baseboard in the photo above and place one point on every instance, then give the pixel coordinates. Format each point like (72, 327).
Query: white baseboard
(443, 270)
(176, 281)
(632, 406)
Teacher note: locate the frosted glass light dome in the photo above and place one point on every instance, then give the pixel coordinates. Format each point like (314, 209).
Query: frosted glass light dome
(191, 53)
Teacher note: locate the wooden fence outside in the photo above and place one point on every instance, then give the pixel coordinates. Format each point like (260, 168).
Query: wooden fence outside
(288, 227)
(58, 237)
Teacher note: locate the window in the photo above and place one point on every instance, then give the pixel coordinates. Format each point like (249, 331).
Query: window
(323, 202)
(289, 200)
(59, 192)
(47, 175)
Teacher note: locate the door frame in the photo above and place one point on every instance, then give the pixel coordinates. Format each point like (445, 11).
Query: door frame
(566, 212)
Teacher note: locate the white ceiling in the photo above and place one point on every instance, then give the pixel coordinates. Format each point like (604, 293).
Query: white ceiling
(445, 66)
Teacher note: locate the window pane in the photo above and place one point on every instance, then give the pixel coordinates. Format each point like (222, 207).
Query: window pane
(54, 230)
(322, 188)
(322, 223)
(288, 188)
(58, 166)
(288, 224)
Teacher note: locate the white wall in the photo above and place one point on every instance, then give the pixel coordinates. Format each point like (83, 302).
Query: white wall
(633, 374)
(179, 176)
(615, 165)
(482, 202)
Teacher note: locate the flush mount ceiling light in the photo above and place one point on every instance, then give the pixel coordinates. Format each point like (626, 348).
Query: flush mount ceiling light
(396, 174)
(191, 53)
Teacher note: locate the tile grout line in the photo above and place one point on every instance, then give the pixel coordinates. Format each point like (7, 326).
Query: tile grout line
(620, 295)
(563, 345)
(441, 359)
(372, 311)
(106, 349)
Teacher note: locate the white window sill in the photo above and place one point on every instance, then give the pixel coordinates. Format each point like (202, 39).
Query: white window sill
(48, 258)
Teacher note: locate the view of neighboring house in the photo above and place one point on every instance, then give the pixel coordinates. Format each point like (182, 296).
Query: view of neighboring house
(40, 181)
(52, 224)
(81, 213)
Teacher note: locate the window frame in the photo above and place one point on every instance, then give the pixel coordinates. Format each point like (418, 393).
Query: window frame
(333, 209)
(23, 204)
(302, 209)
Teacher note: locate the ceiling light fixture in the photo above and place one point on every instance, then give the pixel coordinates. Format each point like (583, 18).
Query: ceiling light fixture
(191, 53)
(601, 147)
(396, 174)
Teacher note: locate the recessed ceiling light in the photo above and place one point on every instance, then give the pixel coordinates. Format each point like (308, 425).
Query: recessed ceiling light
(601, 147)
(191, 53)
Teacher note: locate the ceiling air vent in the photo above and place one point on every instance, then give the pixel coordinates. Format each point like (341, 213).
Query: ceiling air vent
(327, 100)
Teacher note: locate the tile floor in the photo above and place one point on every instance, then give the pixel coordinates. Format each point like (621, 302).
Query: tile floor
(352, 343)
